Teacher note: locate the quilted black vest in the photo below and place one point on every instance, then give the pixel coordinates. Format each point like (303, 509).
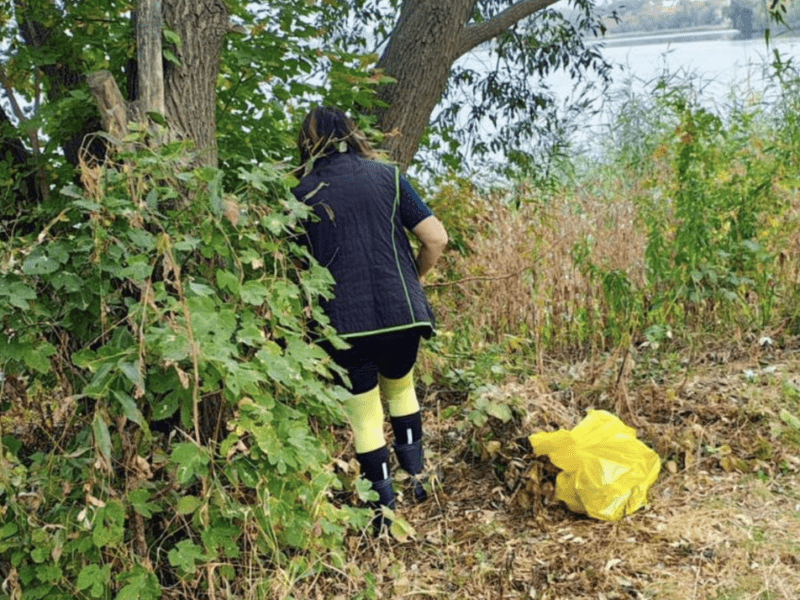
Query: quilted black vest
(360, 237)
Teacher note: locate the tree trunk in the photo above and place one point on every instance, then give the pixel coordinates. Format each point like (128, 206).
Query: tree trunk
(150, 72)
(428, 38)
(190, 87)
(420, 54)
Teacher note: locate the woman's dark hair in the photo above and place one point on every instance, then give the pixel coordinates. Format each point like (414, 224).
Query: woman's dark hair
(326, 130)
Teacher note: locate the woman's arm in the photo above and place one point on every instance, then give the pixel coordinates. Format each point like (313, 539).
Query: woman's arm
(433, 239)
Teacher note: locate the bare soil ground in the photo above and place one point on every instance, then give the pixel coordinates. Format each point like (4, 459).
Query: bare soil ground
(723, 519)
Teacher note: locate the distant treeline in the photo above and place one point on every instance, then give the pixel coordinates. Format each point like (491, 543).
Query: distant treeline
(748, 16)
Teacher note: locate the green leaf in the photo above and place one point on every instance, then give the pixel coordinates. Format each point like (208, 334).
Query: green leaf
(790, 419)
(20, 294)
(87, 576)
(279, 368)
(364, 490)
(132, 372)
(108, 529)
(143, 239)
(40, 554)
(130, 409)
(274, 223)
(185, 556)
(201, 289)
(227, 280)
(499, 411)
(8, 530)
(171, 37)
(450, 411)
(38, 358)
(67, 281)
(137, 271)
(84, 358)
(187, 505)
(401, 529)
(250, 330)
(157, 117)
(170, 56)
(254, 292)
(141, 585)
(139, 501)
(102, 438)
(248, 475)
(478, 418)
(95, 578)
(191, 461)
(49, 573)
(166, 407)
(39, 263)
(224, 536)
(73, 191)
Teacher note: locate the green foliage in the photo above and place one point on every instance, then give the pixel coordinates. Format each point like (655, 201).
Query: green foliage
(712, 203)
(167, 323)
(271, 70)
(485, 403)
(687, 227)
(705, 222)
(274, 72)
(486, 111)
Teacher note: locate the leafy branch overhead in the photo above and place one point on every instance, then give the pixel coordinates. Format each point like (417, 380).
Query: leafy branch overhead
(235, 69)
(437, 95)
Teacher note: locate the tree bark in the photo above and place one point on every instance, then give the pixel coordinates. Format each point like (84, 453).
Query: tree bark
(420, 54)
(110, 103)
(428, 38)
(150, 72)
(190, 87)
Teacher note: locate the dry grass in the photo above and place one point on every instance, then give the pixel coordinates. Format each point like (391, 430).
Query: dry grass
(534, 272)
(723, 520)
(521, 269)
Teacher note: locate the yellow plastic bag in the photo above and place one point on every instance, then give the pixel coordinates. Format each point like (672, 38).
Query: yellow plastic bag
(606, 471)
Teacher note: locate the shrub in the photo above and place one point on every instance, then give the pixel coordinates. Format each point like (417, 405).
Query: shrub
(164, 325)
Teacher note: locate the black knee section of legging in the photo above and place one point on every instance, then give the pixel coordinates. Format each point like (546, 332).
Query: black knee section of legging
(391, 354)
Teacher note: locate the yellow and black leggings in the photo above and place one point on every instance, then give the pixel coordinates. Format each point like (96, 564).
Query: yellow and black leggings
(381, 365)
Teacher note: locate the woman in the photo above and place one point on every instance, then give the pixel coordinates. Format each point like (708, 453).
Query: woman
(363, 208)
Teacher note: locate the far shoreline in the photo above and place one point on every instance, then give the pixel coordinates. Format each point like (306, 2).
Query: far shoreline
(689, 34)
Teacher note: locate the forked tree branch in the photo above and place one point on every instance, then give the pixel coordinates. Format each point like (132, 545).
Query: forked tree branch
(475, 35)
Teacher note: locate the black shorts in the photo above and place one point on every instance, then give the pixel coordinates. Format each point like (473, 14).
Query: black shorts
(389, 354)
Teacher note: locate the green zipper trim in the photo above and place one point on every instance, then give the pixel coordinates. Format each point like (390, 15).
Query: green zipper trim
(394, 243)
(420, 324)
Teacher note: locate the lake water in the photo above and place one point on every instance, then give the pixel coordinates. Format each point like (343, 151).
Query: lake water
(723, 72)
